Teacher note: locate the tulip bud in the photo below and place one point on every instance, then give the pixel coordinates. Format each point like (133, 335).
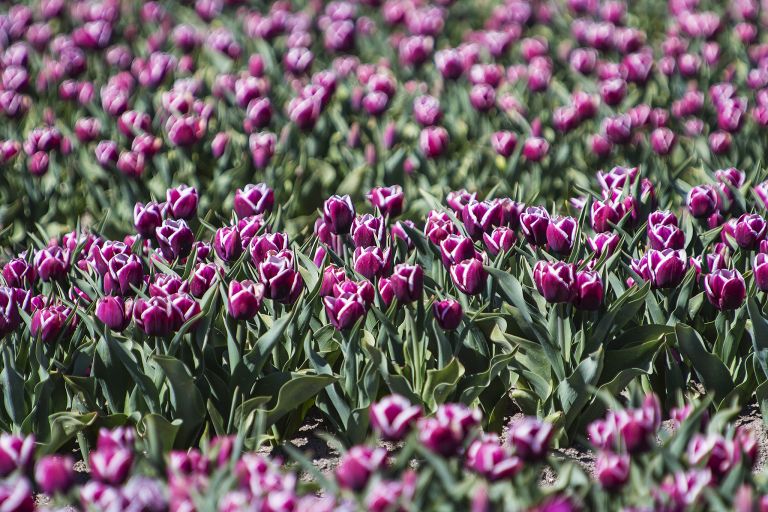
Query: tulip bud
(393, 416)
(147, 218)
(111, 466)
(332, 275)
(603, 243)
(50, 322)
(447, 430)
(182, 201)
(115, 312)
(202, 278)
(155, 316)
(253, 200)
(492, 460)
(371, 262)
(368, 231)
(666, 268)
(448, 313)
(661, 236)
(339, 214)
(504, 143)
(469, 276)
(561, 234)
(282, 282)
(749, 231)
(344, 310)
(52, 263)
(244, 299)
(535, 148)
(482, 217)
(725, 289)
(407, 282)
(175, 239)
(589, 290)
(55, 474)
(124, 272)
(760, 270)
(261, 245)
(426, 110)
(612, 470)
(358, 465)
(662, 141)
(530, 438)
(219, 144)
(227, 243)
(433, 141)
(18, 273)
(502, 239)
(702, 201)
(388, 200)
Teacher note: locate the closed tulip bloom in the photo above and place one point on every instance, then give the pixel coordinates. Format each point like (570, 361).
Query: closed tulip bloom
(386, 291)
(556, 282)
(487, 457)
(407, 282)
(666, 268)
(535, 148)
(371, 262)
(603, 243)
(339, 214)
(661, 236)
(244, 299)
(253, 200)
(19, 273)
(450, 63)
(469, 276)
(605, 213)
(446, 431)
(55, 474)
(388, 200)
(368, 231)
(426, 110)
(261, 245)
(227, 243)
(219, 144)
(16, 453)
(393, 416)
(111, 466)
(702, 201)
(175, 239)
(182, 201)
(561, 234)
(154, 316)
(115, 312)
(481, 217)
(358, 465)
(448, 313)
(125, 273)
(433, 141)
(612, 470)
(282, 282)
(50, 322)
(202, 278)
(501, 239)
(439, 226)
(52, 263)
(749, 231)
(725, 289)
(147, 218)
(344, 309)
(714, 452)
(332, 275)
(530, 438)
(760, 270)
(662, 140)
(504, 143)
(482, 97)
(662, 217)
(534, 222)
(589, 290)
(458, 199)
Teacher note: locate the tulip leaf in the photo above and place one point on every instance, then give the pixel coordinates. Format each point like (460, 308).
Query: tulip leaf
(574, 392)
(13, 388)
(759, 334)
(713, 372)
(187, 402)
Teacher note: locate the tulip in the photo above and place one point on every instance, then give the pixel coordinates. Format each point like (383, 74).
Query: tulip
(124, 273)
(702, 201)
(368, 231)
(439, 226)
(535, 148)
(603, 243)
(202, 278)
(338, 214)
(501, 239)
(155, 316)
(450, 63)
(262, 147)
(534, 222)
(332, 275)
(18, 273)
(393, 416)
(175, 239)
(612, 470)
(605, 214)
(492, 460)
(16, 495)
(561, 234)
(662, 141)
(714, 452)
(219, 144)
(227, 243)
(407, 282)
(244, 299)
(482, 97)
(749, 231)
(16, 453)
(114, 312)
(261, 245)
(530, 438)
(111, 466)
(426, 110)
(344, 310)
(469, 276)
(446, 432)
(55, 474)
(481, 217)
(253, 200)
(371, 262)
(556, 282)
(282, 282)
(433, 141)
(504, 143)
(182, 201)
(760, 270)
(725, 289)
(662, 236)
(388, 200)
(52, 263)
(386, 291)
(50, 322)
(448, 313)
(589, 290)
(459, 199)
(358, 465)
(147, 218)
(666, 268)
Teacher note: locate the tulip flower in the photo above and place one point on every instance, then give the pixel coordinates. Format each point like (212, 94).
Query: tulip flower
(760, 270)
(182, 201)
(589, 290)
(344, 310)
(115, 312)
(534, 222)
(666, 268)
(702, 201)
(253, 200)
(393, 416)
(530, 438)
(111, 466)
(388, 200)
(227, 243)
(338, 214)
(155, 316)
(556, 282)
(55, 474)
(175, 239)
(368, 231)
(561, 234)
(244, 299)
(489, 458)
(663, 236)
(358, 465)
(612, 470)
(50, 322)
(750, 230)
(202, 278)
(469, 276)
(448, 313)
(433, 141)
(725, 289)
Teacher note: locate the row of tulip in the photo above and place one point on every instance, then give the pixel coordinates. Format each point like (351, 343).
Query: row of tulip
(700, 464)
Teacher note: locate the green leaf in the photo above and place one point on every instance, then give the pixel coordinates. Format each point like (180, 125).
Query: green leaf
(187, 402)
(713, 372)
(574, 392)
(759, 334)
(13, 388)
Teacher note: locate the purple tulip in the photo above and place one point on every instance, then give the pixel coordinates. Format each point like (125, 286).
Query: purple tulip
(358, 465)
(760, 270)
(244, 299)
(181, 201)
(393, 416)
(388, 200)
(504, 143)
(433, 141)
(487, 457)
(111, 466)
(282, 282)
(662, 140)
(501, 239)
(50, 322)
(702, 201)
(52, 263)
(203, 277)
(175, 239)
(253, 200)
(556, 282)
(219, 144)
(339, 214)
(147, 218)
(407, 282)
(227, 243)
(262, 147)
(725, 289)
(749, 231)
(456, 248)
(534, 223)
(535, 148)
(458, 199)
(446, 431)
(561, 234)
(448, 313)
(344, 309)
(469, 276)
(155, 316)
(19, 273)
(55, 474)
(124, 272)
(426, 110)
(450, 63)
(603, 243)
(115, 312)
(16, 453)
(605, 213)
(332, 275)
(368, 231)
(530, 438)
(666, 268)
(612, 470)
(261, 245)
(481, 217)
(482, 97)
(618, 129)
(662, 236)
(589, 290)
(386, 291)
(371, 262)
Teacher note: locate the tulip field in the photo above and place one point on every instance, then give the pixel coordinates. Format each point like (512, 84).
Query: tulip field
(383, 255)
